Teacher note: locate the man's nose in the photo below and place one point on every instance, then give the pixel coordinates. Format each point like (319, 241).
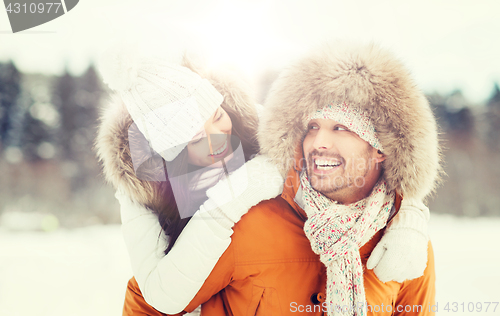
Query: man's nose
(323, 140)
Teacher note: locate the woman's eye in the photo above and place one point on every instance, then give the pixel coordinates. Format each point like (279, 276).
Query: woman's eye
(219, 116)
(196, 139)
(312, 127)
(340, 128)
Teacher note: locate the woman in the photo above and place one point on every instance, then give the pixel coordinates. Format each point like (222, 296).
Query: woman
(170, 271)
(163, 185)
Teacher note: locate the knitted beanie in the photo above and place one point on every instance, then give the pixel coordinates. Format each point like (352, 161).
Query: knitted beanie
(168, 102)
(353, 118)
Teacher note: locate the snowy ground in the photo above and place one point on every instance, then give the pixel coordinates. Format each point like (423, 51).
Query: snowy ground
(467, 254)
(85, 271)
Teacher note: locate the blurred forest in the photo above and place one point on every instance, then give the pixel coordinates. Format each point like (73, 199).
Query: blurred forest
(50, 177)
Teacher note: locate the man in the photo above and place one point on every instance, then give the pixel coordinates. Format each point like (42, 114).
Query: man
(353, 135)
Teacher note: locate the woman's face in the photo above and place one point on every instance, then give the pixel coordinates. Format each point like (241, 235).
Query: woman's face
(213, 143)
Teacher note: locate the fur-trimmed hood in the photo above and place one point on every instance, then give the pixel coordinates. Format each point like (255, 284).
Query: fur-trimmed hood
(365, 76)
(112, 142)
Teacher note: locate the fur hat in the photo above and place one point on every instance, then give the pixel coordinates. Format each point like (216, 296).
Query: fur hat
(372, 79)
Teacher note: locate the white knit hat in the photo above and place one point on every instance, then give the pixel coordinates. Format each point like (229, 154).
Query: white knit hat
(168, 102)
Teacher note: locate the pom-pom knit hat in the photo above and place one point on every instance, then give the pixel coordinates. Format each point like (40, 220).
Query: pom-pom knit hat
(168, 102)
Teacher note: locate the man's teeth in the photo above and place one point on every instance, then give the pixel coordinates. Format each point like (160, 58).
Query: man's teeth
(220, 150)
(322, 164)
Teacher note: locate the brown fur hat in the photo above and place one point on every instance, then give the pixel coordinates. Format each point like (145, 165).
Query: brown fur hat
(112, 142)
(368, 77)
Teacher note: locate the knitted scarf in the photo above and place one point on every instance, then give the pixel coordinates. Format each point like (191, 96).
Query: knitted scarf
(336, 233)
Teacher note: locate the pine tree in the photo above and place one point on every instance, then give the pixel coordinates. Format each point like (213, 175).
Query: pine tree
(10, 79)
(34, 134)
(64, 100)
(458, 114)
(88, 100)
(493, 119)
(77, 99)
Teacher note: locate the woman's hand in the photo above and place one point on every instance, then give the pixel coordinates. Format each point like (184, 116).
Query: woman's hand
(401, 254)
(256, 181)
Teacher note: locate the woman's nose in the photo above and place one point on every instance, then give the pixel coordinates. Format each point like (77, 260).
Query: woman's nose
(215, 133)
(214, 128)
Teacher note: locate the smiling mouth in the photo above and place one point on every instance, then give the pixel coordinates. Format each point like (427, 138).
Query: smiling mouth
(220, 150)
(323, 165)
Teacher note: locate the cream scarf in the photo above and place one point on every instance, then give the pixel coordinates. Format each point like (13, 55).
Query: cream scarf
(336, 233)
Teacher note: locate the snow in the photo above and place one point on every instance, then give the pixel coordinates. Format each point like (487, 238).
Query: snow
(66, 272)
(467, 256)
(85, 271)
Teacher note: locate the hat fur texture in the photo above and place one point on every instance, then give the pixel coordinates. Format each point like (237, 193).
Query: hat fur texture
(368, 77)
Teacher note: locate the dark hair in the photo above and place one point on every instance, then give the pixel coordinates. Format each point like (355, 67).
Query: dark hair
(163, 202)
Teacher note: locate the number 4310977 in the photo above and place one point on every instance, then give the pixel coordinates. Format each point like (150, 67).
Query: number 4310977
(470, 307)
(33, 7)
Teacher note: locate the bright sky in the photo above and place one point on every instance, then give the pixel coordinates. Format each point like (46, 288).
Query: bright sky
(446, 44)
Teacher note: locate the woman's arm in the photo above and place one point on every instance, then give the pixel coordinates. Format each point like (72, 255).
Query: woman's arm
(169, 282)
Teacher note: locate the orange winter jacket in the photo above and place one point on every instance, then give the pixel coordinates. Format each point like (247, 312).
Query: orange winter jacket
(270, 269)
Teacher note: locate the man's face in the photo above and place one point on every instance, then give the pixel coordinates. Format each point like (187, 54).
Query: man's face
(340, 164)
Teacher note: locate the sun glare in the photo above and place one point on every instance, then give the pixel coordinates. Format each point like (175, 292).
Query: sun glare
(238, 34)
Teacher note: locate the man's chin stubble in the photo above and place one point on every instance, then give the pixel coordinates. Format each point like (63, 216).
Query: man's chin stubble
(323, 187)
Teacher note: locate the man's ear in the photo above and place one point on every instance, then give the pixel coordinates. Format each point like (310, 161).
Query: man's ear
(379, 156)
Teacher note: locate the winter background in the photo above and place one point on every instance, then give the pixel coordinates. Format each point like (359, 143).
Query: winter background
(61, 250)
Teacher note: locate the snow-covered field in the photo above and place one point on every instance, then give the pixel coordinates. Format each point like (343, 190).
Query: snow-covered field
(85, 271)
(467, 255)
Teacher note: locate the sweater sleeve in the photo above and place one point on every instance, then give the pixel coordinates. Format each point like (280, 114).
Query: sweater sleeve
(170, 282)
